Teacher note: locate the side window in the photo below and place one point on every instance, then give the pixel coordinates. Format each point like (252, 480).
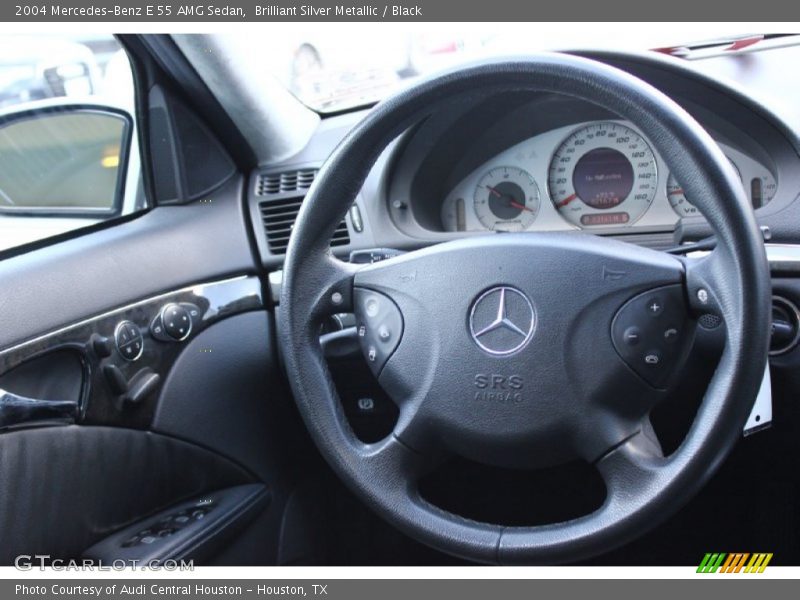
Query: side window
(68, 151)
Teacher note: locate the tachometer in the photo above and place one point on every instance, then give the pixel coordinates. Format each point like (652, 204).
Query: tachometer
(603, 174)
(507, 199)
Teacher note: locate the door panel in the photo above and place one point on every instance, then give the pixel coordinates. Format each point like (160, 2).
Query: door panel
(218, 415)
(64, 488)
(163, 250)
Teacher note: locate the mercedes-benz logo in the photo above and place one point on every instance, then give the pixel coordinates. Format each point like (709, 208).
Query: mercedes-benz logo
(502, 320)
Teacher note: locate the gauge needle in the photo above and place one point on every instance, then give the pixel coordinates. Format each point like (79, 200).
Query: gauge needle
(511, 200)
(678, 191)
(494, 191)
(566, 201)
(519, 206)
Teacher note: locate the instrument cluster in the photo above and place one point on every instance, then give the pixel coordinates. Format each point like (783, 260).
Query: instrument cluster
(596, 175)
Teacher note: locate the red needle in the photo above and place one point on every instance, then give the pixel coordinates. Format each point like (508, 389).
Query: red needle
(511, 200)
(678, 191)
(566, 201)
(519, 206)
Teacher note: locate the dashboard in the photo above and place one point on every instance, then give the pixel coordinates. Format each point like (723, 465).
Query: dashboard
(591, 175)
(525, 161)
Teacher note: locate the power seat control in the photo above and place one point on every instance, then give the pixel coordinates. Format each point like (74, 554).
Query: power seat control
(129, 340)
(174, 322)
(379, 327)
(652, 332)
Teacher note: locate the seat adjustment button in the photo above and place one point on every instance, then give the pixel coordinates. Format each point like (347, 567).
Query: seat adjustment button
(128, 340)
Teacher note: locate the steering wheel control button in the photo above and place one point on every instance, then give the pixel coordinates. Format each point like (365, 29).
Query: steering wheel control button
(632, 336)
(671, 335)
(652, 358)
(367, 257)
(372, 307)
(655, 306)
(379, 326)
(355, 218)
(649, 333)
(129, 340)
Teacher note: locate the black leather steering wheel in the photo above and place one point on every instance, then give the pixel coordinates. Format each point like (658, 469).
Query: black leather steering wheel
(511, 349)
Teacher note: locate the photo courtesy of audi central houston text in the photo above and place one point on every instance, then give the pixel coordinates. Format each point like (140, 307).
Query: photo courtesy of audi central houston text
(361, 293)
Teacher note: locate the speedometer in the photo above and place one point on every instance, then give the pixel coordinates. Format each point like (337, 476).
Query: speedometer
(603, 174)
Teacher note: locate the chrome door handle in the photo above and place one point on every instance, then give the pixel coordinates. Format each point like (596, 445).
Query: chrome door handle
(17, 410)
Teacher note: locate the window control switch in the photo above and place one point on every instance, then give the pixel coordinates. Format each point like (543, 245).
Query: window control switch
(191, 530)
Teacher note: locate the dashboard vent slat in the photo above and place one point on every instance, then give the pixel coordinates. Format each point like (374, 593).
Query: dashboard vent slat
(269, 184)
(279, 213)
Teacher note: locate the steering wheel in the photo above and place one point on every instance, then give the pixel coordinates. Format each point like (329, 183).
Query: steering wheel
(530, 349)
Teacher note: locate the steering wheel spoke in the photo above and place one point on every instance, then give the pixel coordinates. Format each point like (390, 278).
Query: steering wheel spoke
(707, 279)
(333, 289)
(628, 467)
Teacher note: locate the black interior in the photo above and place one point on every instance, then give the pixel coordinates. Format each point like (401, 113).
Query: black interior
(208, 423)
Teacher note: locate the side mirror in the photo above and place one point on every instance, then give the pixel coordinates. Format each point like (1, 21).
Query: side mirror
(64, 160)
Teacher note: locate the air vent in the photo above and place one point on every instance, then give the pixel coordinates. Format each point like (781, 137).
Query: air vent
(283, 183)
(785, 326)
(279, 214)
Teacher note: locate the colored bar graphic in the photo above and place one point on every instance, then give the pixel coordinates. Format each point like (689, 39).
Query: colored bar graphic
(734, 562)
(758, 563)
(711, 562)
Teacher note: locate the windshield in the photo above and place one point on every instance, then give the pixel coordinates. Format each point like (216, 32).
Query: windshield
(335, 68)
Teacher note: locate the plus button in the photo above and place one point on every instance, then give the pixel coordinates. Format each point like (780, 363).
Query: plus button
(655, 307)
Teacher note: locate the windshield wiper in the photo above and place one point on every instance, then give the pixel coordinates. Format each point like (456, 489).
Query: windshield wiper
(731, 45)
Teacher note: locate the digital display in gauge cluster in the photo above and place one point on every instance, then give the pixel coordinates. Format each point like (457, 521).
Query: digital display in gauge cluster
(603, 174)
